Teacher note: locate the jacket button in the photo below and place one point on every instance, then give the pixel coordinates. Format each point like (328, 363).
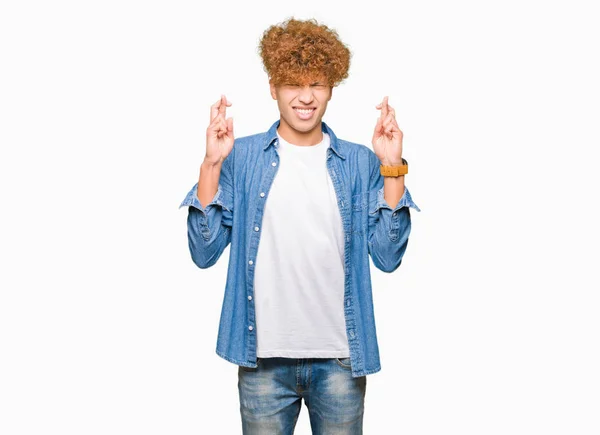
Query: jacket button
(250, 328)
(262, 194)
(274, 164)
(249, 298)
(255, 228)
(251, 262)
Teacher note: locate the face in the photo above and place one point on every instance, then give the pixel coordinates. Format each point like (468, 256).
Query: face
(301, 108)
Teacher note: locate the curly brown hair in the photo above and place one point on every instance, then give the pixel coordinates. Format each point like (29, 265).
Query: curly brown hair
(298, 51)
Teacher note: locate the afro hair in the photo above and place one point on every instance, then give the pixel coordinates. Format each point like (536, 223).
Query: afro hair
(298, 52)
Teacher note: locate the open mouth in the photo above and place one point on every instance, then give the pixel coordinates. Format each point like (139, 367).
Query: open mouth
(304, 113)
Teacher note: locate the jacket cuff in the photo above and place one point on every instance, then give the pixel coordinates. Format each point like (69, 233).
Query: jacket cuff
(405, 201)
(191, 199)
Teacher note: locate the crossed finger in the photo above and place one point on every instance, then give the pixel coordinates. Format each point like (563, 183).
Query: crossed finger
(219, 125)
(219, 108)
(390, 124)
(384, 107)
(387, 119)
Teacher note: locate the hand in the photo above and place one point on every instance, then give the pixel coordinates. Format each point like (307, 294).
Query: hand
(387, 137)
(219, 134)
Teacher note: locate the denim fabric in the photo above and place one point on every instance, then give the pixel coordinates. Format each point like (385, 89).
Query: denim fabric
(271, 396)
(371, 227)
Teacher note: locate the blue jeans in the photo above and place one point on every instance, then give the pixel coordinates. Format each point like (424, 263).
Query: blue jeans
(271, 396)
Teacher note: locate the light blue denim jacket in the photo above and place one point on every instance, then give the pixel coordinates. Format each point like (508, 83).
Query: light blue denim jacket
(235, 214)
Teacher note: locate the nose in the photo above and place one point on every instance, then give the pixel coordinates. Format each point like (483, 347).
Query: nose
(306, 95)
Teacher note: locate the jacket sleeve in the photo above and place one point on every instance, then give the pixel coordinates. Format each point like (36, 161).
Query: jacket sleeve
(388, 228)
(209, 228)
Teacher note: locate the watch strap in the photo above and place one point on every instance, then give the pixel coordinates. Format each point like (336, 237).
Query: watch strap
(394, 171)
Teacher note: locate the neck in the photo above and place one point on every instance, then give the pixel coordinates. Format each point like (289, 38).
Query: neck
(300, 138)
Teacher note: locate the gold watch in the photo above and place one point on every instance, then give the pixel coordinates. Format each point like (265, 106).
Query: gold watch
(394, 171)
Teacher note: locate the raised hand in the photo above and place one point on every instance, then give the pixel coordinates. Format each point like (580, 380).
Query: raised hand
(219, 134)
(387, 137)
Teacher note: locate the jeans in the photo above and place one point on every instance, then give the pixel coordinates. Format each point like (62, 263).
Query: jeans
(271, 396)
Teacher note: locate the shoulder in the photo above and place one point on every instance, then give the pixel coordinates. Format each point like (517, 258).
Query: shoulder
(248, 146)
(358, 151)
(251, 139)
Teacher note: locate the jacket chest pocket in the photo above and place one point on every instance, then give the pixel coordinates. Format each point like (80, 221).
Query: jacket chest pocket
(360, 203)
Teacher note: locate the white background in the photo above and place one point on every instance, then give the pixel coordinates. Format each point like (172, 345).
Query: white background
(490, 326)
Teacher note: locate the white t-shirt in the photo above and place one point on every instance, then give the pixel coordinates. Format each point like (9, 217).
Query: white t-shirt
(299, 274)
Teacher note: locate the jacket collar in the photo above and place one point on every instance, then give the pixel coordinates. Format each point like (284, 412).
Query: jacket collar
(335, 145)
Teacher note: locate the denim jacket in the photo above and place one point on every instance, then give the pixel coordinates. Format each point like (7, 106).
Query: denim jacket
(371, 227)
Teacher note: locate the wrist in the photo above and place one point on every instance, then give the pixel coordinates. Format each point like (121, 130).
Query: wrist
(211, 165)
(388, 162)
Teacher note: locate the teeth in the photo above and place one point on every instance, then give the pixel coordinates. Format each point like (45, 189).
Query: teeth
(305, 111)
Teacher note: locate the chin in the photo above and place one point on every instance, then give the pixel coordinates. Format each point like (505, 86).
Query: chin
(304, 127)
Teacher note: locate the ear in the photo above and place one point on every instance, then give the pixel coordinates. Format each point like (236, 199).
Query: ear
(273, 90)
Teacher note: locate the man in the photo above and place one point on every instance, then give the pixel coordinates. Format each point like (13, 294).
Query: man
(303, 210)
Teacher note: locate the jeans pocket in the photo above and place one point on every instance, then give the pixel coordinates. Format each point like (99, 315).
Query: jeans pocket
(344, 363)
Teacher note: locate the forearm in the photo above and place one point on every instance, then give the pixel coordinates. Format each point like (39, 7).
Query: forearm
(209, 225)
(206, 244)
(393, 189)
(389, 238)
(208, 182)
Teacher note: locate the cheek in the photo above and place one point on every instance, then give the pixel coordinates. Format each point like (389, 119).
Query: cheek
(281, 105)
